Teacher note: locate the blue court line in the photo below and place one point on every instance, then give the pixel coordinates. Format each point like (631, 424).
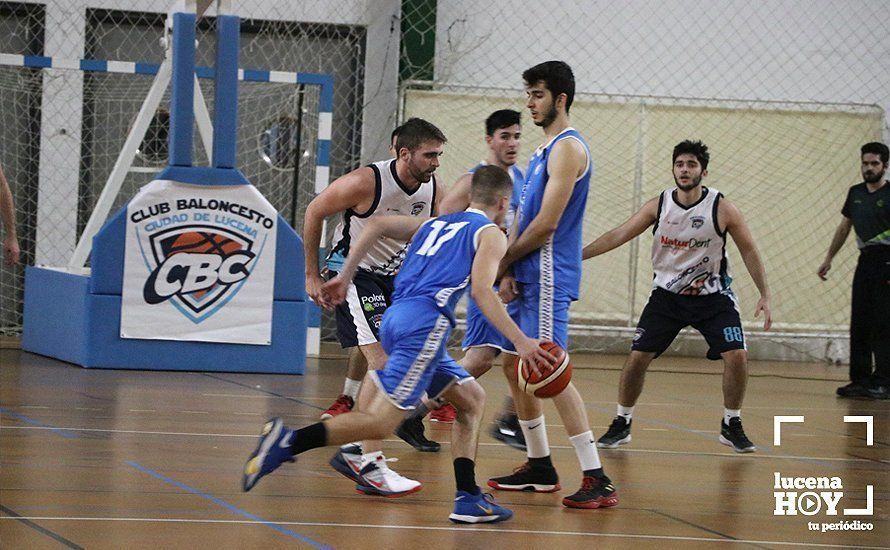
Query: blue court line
(227, 506)
(28, 420)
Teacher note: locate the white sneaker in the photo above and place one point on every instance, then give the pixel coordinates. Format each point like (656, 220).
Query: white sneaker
(377, 479)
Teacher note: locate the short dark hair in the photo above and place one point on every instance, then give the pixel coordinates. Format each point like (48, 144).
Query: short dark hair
(501, 119)
(395, 133)
(557, 76)
(489, 184)
(415, 132)
(877, 148)
(689, 147)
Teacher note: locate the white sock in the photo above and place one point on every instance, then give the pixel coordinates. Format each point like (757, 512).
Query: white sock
(626, 413)
(351, 387)
(535, 433)
(371, 457)
(585, 449)
(731, 413)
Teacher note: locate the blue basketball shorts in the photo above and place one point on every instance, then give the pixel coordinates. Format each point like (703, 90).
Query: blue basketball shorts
(414, 334)
(481, 333)
(542, 315)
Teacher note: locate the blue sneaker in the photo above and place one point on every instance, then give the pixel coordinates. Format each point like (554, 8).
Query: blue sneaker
(273, 449)
(479, 508)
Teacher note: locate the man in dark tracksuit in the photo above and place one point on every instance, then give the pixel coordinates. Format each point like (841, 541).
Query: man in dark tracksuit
(867, 210)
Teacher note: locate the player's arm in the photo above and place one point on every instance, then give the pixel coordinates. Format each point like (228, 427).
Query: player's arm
(354, 190)
(737, 228)
(11, 249)
(567, 161)
(636, 224)
(840, 237)
(492, 246)
(458, 197)
(401, 228)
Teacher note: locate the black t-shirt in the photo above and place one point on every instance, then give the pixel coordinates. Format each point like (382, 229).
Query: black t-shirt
(870, 214)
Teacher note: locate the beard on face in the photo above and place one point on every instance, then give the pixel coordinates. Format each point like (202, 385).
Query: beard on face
(690, 186)
(873, 177)
(549, 117)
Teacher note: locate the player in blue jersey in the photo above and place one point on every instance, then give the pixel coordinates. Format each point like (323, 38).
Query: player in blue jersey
(445, 253)
(482, 343)
(542, 269)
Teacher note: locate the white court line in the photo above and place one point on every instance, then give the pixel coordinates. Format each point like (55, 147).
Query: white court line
(32, 407)
(481, 444)
(499, 529)
(195, 412)
(142, 410)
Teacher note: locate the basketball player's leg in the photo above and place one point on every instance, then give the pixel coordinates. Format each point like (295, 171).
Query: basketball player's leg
(722, 328)
(358, 323)
(658, 327)
(459, 388)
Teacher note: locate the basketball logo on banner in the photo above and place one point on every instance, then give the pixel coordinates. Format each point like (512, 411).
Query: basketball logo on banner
(198, 267)
(199, 264)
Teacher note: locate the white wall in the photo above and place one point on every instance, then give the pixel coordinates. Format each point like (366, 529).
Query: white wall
(801, 50)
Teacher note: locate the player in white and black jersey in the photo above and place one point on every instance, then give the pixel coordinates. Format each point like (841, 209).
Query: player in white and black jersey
(691, 288)
(405, 185)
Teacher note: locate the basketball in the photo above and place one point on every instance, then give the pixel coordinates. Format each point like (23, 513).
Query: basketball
(555, 378)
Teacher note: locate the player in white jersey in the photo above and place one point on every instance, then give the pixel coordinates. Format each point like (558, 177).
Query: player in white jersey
(482, 343)
(691, 287)
(405, 185)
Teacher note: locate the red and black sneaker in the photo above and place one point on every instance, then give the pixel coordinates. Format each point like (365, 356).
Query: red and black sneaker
(595, 492)
(527, 478)
(343, 404)
(445, 414)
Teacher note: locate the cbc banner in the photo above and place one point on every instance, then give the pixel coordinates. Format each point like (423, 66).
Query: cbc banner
(199, 264)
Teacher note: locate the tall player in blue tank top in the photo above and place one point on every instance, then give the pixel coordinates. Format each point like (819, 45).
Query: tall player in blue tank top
(544, 256)
(445, 253)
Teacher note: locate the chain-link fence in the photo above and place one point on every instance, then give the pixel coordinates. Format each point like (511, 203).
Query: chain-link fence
(57, 171)
(783, 92)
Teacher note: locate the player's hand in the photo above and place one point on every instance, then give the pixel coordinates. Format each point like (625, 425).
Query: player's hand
(314, 283)
(333, 292)
(11, 250)
(508, 289)
(763, 305)
(823, 270)
(531, 354)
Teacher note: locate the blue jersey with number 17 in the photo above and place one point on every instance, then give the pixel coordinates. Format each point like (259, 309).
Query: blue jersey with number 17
(557, 264)
(440, 258)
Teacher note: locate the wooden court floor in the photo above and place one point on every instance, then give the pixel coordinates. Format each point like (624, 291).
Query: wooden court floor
(120, 459)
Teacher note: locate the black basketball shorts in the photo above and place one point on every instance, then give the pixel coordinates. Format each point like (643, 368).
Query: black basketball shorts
(715, 316)
(359, 317)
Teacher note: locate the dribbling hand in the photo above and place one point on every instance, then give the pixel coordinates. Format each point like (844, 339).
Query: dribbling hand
(531, 354)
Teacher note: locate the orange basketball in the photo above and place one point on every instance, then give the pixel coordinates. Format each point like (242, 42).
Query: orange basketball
(553, 380)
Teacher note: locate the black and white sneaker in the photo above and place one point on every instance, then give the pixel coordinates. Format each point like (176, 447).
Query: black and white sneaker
(526, 478)
(733, 434)
(617, 434)
(507, 429)
(411, 432)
